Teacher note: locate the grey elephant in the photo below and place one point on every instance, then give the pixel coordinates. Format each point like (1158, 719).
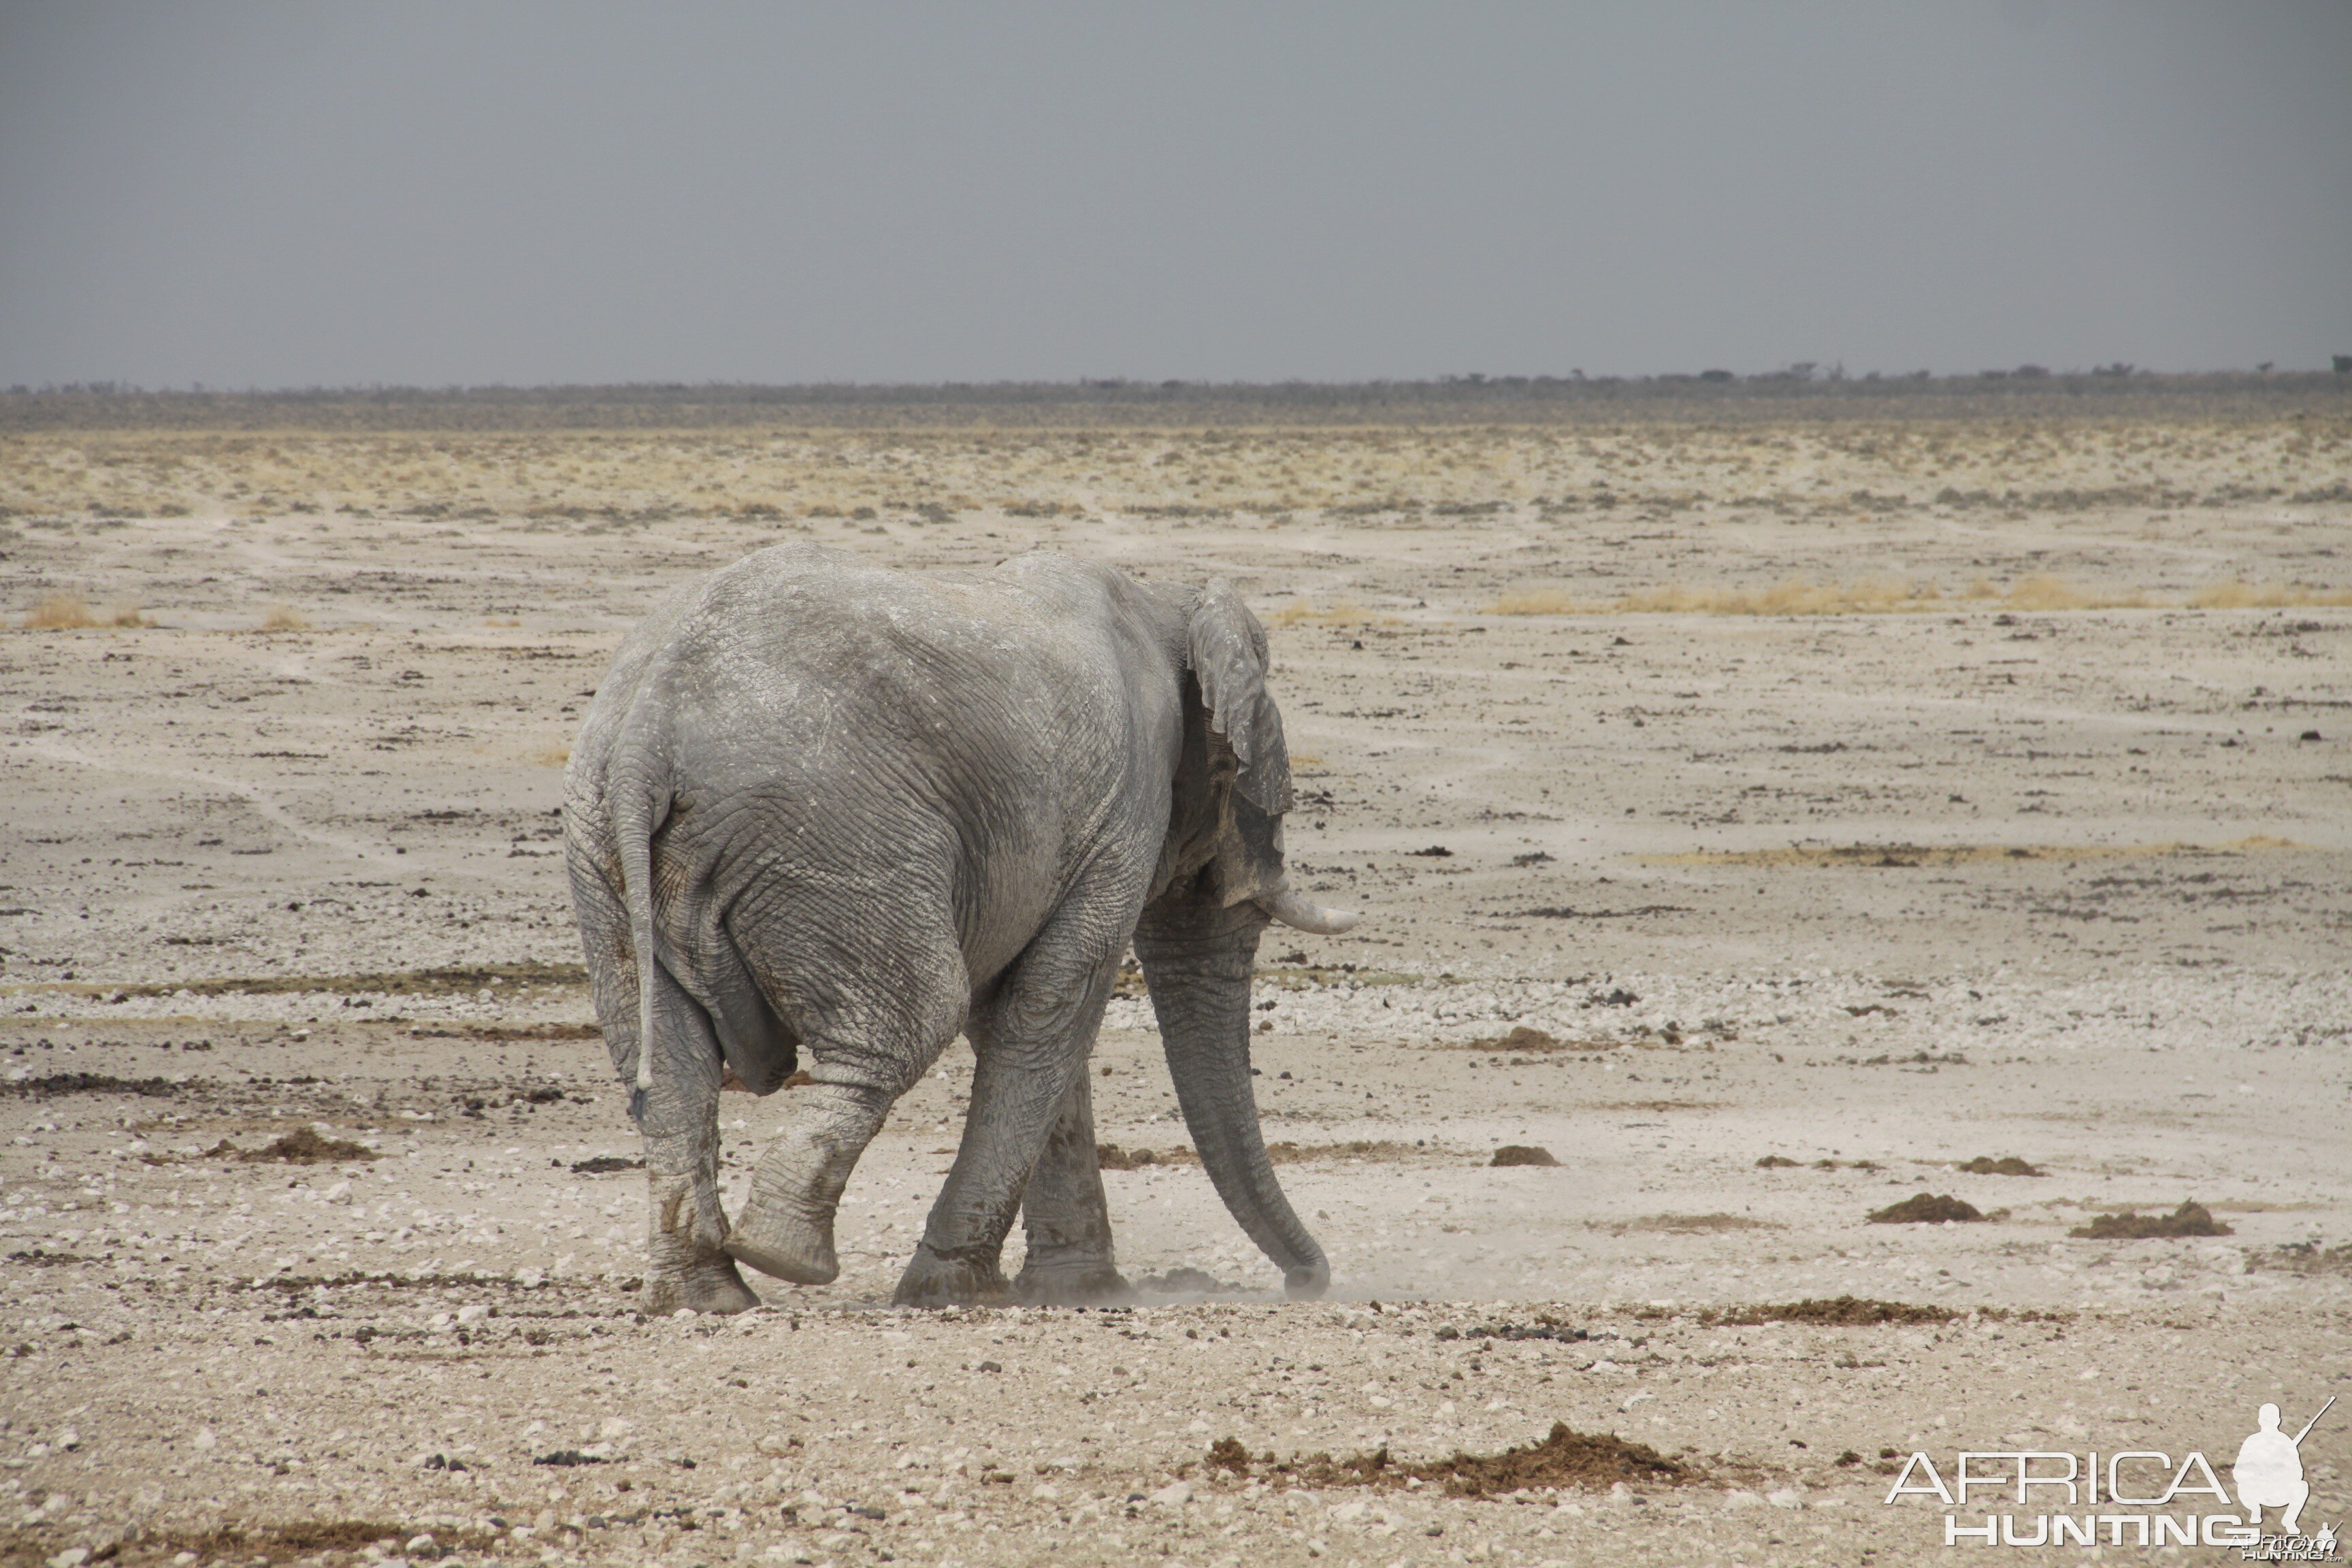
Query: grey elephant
(822, 808)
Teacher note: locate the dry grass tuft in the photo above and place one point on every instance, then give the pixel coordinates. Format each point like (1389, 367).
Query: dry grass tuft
(2235, 596)
(553, 757)
(1302, 612)
(1893, 595)
(1535, 602)
(60, 612)
(284, 618)
(1911, 856)
(57, 613)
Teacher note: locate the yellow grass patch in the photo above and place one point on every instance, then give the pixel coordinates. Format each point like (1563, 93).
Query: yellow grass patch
(1819, 856)
(2263, 595)
(1891, 595)
(284, 618)
(59, 612)
(553, 757)
(1302, 612)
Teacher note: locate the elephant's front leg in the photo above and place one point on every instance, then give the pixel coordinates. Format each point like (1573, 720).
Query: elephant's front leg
(678, 1117)
(1070, 1257)
(1030, 1043)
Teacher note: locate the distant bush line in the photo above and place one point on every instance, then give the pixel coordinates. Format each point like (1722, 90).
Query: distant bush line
(1712, 397)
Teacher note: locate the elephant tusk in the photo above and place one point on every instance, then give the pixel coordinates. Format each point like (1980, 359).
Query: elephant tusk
(1304, 914)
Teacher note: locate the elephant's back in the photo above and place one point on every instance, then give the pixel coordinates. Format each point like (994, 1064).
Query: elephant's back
(828, 650)
(968, 728)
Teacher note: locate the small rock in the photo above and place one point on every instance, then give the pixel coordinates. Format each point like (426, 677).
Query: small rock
(205, 1438)
(70, 1439)
(1738, 1497)
(1786, 1497)
(473, 1314)
(1176, 1494)
(423, 1546)
(71, 1557)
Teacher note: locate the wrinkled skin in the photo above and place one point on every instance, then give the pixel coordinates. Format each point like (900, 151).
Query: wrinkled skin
(827, 815)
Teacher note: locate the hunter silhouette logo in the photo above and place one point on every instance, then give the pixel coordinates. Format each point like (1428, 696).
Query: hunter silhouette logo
(2130, 1499)
(2269, 1471)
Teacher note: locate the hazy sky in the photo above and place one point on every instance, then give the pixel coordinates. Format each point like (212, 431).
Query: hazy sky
(434, 194)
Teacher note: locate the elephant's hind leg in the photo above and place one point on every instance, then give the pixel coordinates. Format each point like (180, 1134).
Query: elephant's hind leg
(687, 1263)
(866, 1047)
(1070, 1260)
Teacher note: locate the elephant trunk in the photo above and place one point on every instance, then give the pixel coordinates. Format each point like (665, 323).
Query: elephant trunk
(1197, 959)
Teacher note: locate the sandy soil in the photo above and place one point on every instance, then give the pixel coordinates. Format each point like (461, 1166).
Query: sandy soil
(2036, 845)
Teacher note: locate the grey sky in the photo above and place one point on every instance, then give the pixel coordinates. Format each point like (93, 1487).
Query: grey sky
(430, 193)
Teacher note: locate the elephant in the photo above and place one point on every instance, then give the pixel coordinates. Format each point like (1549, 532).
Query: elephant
(820, 806)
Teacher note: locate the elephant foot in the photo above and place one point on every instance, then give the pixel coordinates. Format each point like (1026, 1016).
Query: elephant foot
(784, 1245)
(1073, 1282)
(710, 1286)
(937, 1279)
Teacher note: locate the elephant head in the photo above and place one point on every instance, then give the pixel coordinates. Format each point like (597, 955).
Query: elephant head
(1223, 880)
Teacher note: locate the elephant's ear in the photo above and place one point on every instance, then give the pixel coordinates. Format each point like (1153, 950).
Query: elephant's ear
(1228, 656)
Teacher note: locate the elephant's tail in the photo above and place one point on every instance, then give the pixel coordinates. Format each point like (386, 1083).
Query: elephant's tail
(638, 809)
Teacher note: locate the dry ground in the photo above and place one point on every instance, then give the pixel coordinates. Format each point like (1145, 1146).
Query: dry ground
(1965, 865)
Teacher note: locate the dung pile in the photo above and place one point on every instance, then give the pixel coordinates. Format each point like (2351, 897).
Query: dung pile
(1926, 1208)
(303, 1146)
(1564, 1459)
(1842, 1311)
(2189, 1220)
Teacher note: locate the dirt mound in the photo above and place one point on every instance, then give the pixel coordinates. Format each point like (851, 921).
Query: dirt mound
(1842, 1311)
(1564, 1459)
(303, 1146)
(1522, 1154)
(1926, 1208)
(1525, 1040)
(1111, 1157)
(1776, 1163)
(2189, 1220)
(57, 1083)
(1357, 1148)
(1183, 1282)
(2007, 1165)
